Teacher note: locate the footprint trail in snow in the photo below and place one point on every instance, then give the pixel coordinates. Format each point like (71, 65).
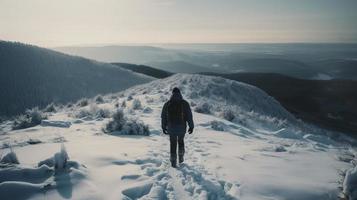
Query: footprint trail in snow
(188, 181)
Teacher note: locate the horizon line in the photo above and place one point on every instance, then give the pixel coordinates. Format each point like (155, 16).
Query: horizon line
(148, 44)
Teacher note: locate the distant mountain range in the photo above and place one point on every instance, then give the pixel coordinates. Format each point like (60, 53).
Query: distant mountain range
(304, 61)
(181, 67)
(32, 76)
(118, 53)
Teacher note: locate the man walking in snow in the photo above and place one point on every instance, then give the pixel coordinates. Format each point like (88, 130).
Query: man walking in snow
(175, 116)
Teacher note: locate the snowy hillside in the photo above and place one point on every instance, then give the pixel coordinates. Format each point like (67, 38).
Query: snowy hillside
(31, 76)
(244, 146)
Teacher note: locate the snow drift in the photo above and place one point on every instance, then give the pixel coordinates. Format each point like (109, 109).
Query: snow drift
(56, 173)
(350, 183)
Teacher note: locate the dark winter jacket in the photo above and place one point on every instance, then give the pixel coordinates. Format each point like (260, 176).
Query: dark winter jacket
(177, 129)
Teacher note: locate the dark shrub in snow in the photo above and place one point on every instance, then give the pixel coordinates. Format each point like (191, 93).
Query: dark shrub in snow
(134, 127)
(50, 108)
(219, 126)
(136, 104)
(82, 113)
(82, 102)
(203, 108)
(31, 118)
(58, 161)
(118, 116)
(147, 110)
(280, 149)
(130, 98)
(122, 126)
(99, 99)
(228, 114)
(92, 112)
(123, 104)
(102, 113)
(69, 105)
(10, 158)
(116, 124)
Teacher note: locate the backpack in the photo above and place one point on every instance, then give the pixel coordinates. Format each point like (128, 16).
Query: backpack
(175, 113)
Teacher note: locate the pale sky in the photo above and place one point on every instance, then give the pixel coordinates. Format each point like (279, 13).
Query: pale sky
(84, 22)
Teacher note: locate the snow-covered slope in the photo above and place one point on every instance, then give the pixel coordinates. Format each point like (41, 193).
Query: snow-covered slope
(210, 89)
(32, 76)
(250, 106)
(262, 153)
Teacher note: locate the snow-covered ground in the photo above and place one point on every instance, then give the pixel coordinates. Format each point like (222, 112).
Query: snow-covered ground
(263, 152)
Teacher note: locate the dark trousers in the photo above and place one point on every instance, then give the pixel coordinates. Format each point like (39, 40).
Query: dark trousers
(174, 139)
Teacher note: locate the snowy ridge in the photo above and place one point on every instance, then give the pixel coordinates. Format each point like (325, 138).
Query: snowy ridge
(212, 89)
(249, 103)
(263, 153)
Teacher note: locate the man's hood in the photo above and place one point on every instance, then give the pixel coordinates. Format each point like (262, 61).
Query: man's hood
(176, 96)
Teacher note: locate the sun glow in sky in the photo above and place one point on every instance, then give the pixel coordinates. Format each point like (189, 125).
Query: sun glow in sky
(84, 22)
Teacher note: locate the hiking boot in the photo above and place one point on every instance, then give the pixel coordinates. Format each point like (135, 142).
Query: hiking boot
(181, 159)
(173, 164)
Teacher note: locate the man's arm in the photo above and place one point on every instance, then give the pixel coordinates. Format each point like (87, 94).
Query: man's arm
(164, 118)
(189, 117)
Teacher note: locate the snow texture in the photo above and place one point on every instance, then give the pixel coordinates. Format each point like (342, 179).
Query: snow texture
(54, 174)
(262, 152)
